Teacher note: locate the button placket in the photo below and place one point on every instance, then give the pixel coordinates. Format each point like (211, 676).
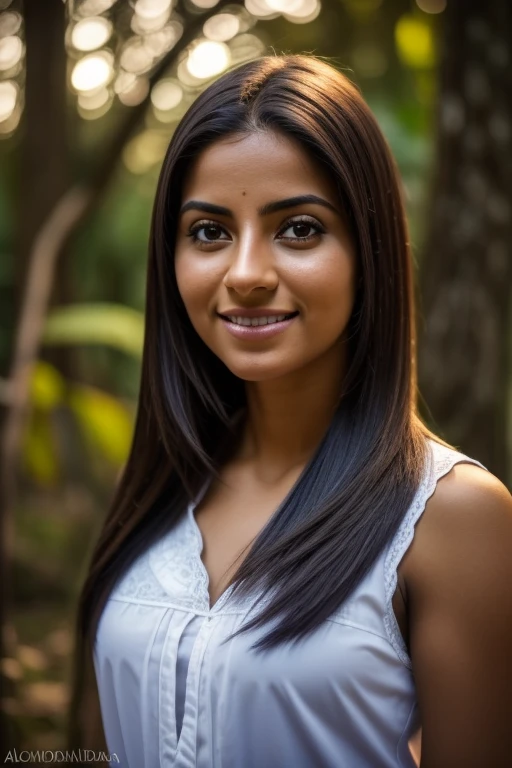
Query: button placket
(167, 687)
(185, 754)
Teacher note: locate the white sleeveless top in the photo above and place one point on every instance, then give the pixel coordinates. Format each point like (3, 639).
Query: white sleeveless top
(172, 695)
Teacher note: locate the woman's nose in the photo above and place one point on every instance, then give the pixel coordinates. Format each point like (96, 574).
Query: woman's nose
(252, 266)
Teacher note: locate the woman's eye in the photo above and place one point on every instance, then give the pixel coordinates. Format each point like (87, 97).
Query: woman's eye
(207, 233)
(300, 230)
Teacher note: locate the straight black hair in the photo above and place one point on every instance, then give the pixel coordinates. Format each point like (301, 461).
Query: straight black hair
(352, 495)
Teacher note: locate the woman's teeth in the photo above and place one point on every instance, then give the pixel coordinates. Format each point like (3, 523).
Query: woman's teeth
(257, 320)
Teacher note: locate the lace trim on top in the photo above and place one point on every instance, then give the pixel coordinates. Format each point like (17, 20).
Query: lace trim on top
(169, 572)
(440, 462)
(172, 571)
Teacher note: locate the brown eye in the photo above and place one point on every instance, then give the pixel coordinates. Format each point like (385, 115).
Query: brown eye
(211, 232)
(207, 232)
(301, 230)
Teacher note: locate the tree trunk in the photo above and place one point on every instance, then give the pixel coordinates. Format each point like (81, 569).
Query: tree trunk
(43, 163)
(467, 264)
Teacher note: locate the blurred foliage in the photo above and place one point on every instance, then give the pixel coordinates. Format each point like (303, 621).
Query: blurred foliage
(415, 42)
(113, 325)
(106, 422)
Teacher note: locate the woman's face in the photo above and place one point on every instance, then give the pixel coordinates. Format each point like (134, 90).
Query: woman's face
(261, 233)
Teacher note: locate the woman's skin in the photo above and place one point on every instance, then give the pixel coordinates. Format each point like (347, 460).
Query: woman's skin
(252, 260)
(258, 261)
(457, 575)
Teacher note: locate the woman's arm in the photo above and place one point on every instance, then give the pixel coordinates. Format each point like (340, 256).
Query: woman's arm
(459, 583)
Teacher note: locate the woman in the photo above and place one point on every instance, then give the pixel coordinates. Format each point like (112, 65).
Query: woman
(294, 572)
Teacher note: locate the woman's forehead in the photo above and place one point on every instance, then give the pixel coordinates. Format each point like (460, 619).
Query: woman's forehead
(260, 162)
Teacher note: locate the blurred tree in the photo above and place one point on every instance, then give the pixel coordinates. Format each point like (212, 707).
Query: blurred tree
(466, 267)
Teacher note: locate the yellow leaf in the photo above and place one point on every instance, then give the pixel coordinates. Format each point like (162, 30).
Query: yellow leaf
(415, 42)
(47, 386)
(112, 324)
(106, 422)
(39, 453)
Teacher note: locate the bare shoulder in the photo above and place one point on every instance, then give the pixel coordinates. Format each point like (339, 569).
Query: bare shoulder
(469, 510)
(459, 587)
(469, 487)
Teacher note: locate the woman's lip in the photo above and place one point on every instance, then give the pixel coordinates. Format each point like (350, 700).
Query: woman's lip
(257, 331)
(261, 312)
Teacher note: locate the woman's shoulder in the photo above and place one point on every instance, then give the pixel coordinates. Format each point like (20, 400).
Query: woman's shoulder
(467, 517)
(462, 487)
(470, 489)
(459, 587)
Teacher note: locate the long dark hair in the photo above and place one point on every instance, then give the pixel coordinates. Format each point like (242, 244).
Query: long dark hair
(353, 493)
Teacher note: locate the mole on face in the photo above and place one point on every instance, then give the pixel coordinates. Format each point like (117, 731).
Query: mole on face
(243, 193)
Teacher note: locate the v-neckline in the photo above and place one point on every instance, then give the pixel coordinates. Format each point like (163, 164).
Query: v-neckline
(221, 600)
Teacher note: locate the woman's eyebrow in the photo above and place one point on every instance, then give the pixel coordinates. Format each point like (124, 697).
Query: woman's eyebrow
(265, 210)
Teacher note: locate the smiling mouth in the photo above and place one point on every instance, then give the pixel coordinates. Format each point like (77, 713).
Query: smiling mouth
(258, 321)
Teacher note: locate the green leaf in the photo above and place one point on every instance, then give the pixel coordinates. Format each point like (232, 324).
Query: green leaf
(111, 324)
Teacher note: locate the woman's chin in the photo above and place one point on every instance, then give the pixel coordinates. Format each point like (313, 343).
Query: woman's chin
(258, 373)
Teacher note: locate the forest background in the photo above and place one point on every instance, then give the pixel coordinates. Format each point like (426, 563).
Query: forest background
(90, 92)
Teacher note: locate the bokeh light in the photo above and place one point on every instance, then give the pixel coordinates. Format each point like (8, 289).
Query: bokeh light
(87, 108)
(124, 81)
(166, 95)
(260, 9)
(95, 100)
(94, 7)
(135, 93)
(162, 41)
(92, 71)
(10, 23)
(144, 26)
(207, 59)
(415, 42)
(246, 47)
(221, 27)
(284, 6)
(188, 80)
(246, 20)
(136, 56)
(205, 3)
(307, 11)
(151, 9)
(431, 6)
(145, 151)
(11, 51)
(8, 126)
(8, 97)
(90, 34)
